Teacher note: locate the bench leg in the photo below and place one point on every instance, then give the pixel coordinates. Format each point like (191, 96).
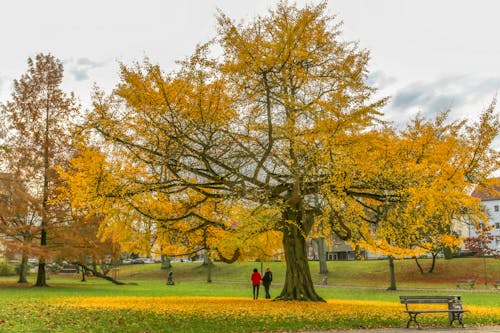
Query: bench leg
(457, 316)
(413, 317)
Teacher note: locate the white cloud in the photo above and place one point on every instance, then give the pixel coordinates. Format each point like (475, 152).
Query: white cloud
(381, 80)
(81, 67)
(465, 95)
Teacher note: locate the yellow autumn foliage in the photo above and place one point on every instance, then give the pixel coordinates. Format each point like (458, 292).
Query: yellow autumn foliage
(217, 307)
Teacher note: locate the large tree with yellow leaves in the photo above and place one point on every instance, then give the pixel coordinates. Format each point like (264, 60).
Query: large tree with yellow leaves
(281, 124)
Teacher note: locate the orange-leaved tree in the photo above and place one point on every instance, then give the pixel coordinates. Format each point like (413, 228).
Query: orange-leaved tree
(37, 139)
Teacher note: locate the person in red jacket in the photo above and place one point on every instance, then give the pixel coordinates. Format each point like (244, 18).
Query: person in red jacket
(256, 278)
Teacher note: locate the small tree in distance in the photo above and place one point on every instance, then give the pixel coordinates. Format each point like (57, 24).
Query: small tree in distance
(481, 244)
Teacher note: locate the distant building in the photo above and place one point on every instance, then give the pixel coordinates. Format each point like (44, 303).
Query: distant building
(490, 199)
(339, 250)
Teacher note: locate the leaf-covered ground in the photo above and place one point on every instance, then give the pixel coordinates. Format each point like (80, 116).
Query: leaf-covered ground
(209, 314)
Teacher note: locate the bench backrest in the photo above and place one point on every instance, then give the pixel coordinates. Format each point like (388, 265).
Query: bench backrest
(428, 299)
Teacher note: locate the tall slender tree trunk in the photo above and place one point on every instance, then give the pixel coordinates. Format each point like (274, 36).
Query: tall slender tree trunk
(208, 263)
(434, 255)
(41, 278)
(392, 274)
(166, 263)
(298, 282)
(209, 272)
(321, 244)
(418, 265)
(84, 273)
(23, 269)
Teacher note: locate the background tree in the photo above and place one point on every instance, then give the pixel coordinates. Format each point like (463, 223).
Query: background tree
(438, 162)
(480, 244)
(37, 120)
(19, 220)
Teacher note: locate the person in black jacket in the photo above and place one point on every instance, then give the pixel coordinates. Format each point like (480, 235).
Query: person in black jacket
(266, 281)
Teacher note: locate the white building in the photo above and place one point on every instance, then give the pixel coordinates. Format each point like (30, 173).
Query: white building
(491, 201)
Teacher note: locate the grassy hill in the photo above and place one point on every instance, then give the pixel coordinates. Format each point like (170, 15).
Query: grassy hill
(371, 273)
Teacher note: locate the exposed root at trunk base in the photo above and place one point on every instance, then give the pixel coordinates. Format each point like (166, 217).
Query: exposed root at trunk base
(303, 292)
(301, 299)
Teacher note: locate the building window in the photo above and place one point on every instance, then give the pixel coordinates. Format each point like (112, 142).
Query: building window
(496, 208)
(497, 225)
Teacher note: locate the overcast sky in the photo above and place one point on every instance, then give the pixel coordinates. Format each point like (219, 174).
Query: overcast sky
(427, 55)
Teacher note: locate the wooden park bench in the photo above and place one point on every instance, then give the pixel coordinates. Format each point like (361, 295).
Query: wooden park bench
(454, 310)
(469, 282)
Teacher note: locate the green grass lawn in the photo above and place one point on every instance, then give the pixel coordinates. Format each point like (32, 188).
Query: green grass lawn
(373, 273)
(24, 308)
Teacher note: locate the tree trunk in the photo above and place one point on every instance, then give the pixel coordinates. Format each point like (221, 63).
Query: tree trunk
(165, 262)
(434, 255)
(298, 282)
(321, 246)
(84, 273)
(392, 274)
(209, 270)
(41, 276)
(23, 270)
(418, 265)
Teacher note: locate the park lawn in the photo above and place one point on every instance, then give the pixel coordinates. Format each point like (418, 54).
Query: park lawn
(374, 273)
(152, 306)
(207, 314)
(225, 305)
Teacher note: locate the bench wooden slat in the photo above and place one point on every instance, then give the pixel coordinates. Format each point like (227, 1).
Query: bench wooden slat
(430, 299)
(430, 311)
(427, 299)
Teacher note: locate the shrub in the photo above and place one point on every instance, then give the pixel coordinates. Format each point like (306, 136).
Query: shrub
(6, 269)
